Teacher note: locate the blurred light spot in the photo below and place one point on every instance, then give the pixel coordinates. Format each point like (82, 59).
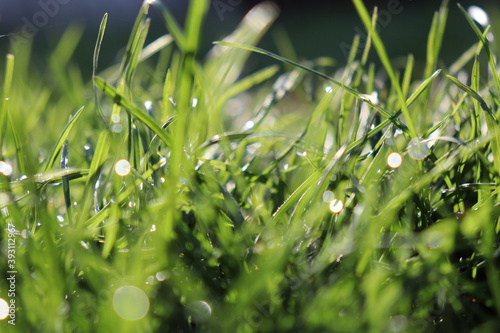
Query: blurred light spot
(132, 204)
(328, 196)
(60, 218)
(130, 303)
(434, 239)
(150, 2)
(153, 228)
(194, 103)
(162, 179)
(328, 89)
(162, 276)
(301, 153)
(4, 199)
(249, 124)
(122, 168)
(148, 105)
(417, 149)
(398, 324)
(394, 160)
(115, 118)
(199, 311)
(25, 233)
(84, 245)
(479, 15)
(336, 206)
(372, 98)
(5, 168)
(116, 128)
(4, 309)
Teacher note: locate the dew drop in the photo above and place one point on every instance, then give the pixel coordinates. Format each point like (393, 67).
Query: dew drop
(336, 206)
(199, 311)
(122, 168)
(394, 160)
(328, 196)
(479, 15)
(4, 309)
(417, 149)
(5, 168)
(130, 303)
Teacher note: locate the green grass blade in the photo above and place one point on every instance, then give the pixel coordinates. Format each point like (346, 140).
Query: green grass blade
(384, 58)
(5, 97)
(62, 138)
(132, 109)
(471, 93)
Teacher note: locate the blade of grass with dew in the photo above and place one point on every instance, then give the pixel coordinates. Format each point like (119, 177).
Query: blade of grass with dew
(5, 97)
(132, 109)
(65, 180)
(62, 138)
(384, 58)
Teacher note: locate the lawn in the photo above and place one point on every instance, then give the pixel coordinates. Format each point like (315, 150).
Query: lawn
(177, 192)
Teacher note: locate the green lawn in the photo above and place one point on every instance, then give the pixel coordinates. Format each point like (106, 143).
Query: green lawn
(172, 193)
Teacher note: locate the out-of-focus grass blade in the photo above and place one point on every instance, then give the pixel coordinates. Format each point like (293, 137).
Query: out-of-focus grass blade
(471, 93)
(155, 47)
(224, 66)
(422, 87)
(132, 109)
(435, 39)
(384, 58)
(49, 177)
(247, 83)
(172, 26)
(62, 138)
(5, 95)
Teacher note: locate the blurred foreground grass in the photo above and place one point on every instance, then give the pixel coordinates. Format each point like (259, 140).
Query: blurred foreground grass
(175, 195)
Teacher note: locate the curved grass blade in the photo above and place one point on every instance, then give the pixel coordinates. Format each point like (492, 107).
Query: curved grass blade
(62, 138)
(350, 90)
(132, 109)
(65, 179)
(471, 93)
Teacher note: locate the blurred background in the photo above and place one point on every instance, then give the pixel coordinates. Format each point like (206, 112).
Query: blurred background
(315, 28)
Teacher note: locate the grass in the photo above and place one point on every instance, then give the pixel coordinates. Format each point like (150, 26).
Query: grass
(170, 193)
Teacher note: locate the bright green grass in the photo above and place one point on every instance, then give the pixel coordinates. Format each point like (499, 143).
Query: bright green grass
(220, 222)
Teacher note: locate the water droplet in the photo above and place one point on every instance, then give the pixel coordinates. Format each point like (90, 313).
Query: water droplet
(116, 128)
(122, 168)
(150, 2)
(5, 168)
(162, 276)
(194, 103)
(4, 309)
(301, 153)
(153, 228)
(417, 149)
(132, 204)
(328, 89)
(199, 311)
(336, 206)
(149, 106)
(398, 324)
(479, 15)
(115, 118)
(249, 124)
(84, 245)
(25, 233)
(60, 218)
(328, 196)
(394, 160)
(130, 303)
(372, 98)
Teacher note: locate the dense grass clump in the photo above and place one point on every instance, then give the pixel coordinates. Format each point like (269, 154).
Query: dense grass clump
(175, 194)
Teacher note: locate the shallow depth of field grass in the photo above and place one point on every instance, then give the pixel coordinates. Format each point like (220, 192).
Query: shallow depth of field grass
(173, 194)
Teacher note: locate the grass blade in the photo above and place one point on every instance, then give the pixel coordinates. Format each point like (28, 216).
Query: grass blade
(62, 138)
